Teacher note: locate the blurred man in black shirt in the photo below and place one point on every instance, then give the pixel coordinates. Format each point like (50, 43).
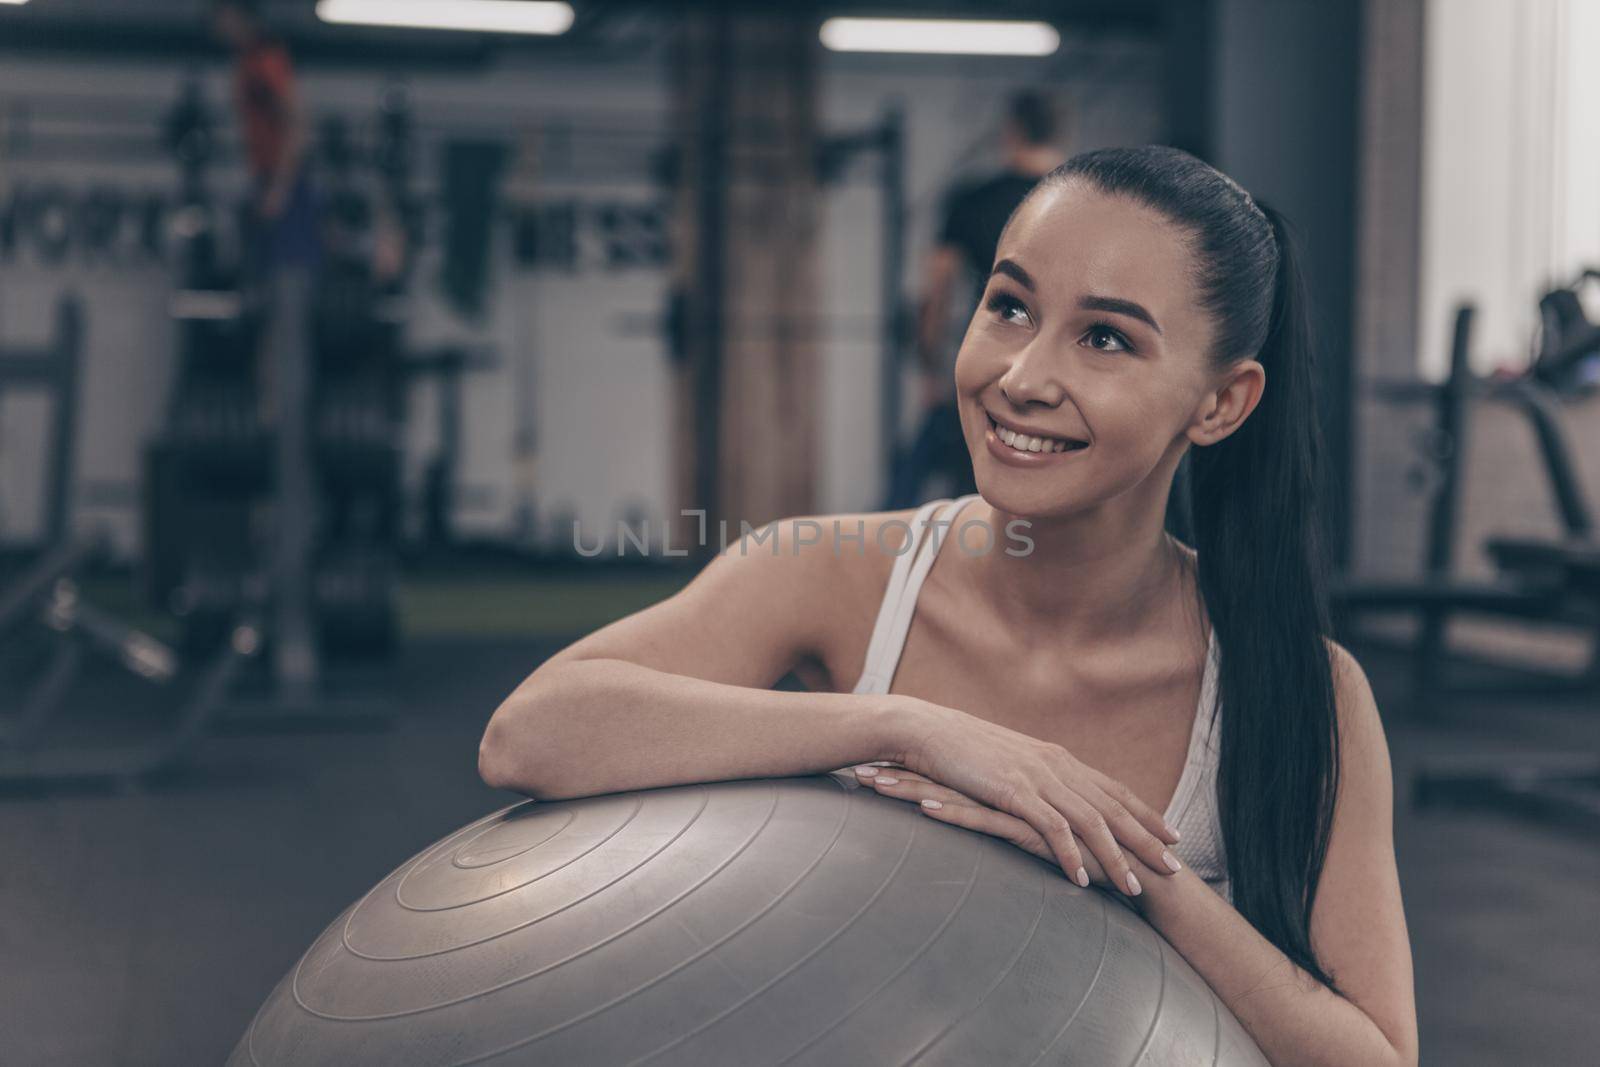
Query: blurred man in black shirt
(974, 213)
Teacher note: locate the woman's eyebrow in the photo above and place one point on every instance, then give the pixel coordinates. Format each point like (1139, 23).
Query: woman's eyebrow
(1119, 307)
(1009, 268)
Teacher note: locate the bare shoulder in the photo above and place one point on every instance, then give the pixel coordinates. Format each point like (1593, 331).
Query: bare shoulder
(1363, 747)
(832, 568)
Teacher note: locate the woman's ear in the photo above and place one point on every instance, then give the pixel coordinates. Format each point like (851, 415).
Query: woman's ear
(1224, 409)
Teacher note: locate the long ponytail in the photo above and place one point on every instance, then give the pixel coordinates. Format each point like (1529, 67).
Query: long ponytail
(1262, 574)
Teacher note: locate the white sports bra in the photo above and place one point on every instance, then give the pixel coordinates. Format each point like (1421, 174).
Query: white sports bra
(1193, 810)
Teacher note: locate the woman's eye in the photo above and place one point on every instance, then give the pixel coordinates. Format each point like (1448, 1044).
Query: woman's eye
(1105, 339)
(1009, 309)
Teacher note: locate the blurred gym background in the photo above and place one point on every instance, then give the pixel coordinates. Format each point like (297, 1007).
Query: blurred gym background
(356, 356)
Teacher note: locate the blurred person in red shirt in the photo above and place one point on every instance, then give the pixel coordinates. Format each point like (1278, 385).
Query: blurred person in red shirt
(272, 128)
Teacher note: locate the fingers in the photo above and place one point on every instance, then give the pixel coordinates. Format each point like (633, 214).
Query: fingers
(958, 808)
(1091, 824)
(1062, 814)
(1097, 873)
(889, 780)
(1108, 816)
(867, 773)
(1057, 824)
(1131, 831)
(952, 806)
(965, 812)
(1046, 821)
(865, 768)
(991, 822)
(1148, 817)
(948, 805)
(1050, 824)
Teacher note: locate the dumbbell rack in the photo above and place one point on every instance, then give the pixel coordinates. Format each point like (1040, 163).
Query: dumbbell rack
(257, 455)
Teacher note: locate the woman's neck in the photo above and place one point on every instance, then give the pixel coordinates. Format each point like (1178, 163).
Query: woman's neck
(1086, 579)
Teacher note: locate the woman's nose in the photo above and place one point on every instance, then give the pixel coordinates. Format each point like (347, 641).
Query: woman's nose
(1033, 378)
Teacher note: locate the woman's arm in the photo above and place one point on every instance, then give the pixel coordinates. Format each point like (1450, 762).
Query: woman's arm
(592, 726)
(1358, 926)
(680, 692)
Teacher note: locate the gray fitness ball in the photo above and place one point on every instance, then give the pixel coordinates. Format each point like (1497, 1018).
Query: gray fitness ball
(797, 920)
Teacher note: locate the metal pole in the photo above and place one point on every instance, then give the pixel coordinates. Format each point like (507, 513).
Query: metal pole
(707, 355)
(1452, 414)
(1540, 407)
(892, 190)
(68, 345)
(294, 658)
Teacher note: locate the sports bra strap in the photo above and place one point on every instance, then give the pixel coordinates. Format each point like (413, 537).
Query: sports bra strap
(900, 602)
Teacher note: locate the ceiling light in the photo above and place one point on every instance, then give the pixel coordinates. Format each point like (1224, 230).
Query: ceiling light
(942, 36)
(484, 16)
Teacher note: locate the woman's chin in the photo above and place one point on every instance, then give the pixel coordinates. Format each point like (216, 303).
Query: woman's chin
(1020, 499)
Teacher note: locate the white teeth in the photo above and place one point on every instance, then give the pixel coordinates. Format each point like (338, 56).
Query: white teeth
(1026, 443)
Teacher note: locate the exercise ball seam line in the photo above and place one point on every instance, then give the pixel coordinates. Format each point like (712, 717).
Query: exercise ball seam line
(1099, 968)
(837, 833)
(966, 894)
(1010, 966)
(344, 936)
(455, 860)
(634, 814)
(523, 978)
(422, 854)
(413, 867)
(1161, 997)
(1216, 1031)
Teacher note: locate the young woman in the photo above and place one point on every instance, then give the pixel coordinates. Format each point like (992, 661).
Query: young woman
(1170, 722)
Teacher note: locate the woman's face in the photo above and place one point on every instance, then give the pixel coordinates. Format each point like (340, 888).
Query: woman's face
(1090, 333)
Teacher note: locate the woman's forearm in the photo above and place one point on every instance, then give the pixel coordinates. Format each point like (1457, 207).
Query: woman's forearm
(1295, 1019)
(606, 725)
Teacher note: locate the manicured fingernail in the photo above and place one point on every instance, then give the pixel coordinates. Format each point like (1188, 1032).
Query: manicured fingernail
(934, 804)
(1082, 877)
(884, 779)
(1133, 885)
(1176, 837)
(1171, 861)
(866, 772)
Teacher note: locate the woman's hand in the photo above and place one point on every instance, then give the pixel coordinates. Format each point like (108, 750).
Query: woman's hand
(1043, 785)
(947, 805)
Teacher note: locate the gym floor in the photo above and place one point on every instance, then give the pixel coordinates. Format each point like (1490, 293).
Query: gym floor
(151, 924)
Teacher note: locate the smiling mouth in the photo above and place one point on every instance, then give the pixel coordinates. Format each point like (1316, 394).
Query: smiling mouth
(1022, 442)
